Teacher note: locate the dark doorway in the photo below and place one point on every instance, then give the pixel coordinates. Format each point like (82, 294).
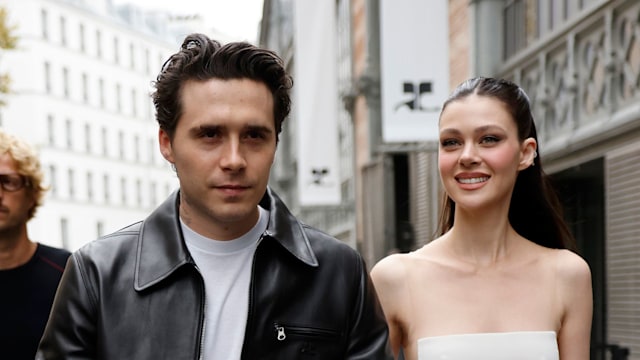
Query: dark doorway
(581, 190)
(404, 229)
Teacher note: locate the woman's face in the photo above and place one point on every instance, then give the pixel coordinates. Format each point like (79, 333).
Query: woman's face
(480, 154)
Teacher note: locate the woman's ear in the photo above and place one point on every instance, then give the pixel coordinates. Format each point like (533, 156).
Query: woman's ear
(528, 153)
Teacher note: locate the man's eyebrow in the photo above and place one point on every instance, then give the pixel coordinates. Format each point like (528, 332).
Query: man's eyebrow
(260, 128)
(204, 128)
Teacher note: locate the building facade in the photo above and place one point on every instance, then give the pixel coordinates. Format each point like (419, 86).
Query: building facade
(81, 79)
(277, 33)
(579, 62)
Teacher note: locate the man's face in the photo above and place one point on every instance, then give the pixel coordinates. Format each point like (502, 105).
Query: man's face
(222, 148)
(14, 205)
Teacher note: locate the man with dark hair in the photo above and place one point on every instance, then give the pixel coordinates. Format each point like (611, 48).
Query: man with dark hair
(29, 271)
(221, 270)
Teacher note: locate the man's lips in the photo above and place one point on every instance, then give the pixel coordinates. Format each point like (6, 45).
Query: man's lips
(232, 187)
(232, 190)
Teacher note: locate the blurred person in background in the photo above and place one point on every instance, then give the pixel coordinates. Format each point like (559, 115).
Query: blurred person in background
(29, 271)
(222, 270)
(501, 281)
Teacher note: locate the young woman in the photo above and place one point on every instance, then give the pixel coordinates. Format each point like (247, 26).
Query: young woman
(500, 281)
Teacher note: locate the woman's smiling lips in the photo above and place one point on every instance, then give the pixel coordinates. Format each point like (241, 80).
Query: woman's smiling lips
(471, 179)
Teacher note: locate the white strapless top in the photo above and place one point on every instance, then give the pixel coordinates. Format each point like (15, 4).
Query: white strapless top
(520, 345)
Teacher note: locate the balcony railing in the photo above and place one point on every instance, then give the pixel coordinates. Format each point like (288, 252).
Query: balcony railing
(583, 79)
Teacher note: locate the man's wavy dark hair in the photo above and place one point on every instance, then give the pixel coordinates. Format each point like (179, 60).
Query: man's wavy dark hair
(201, 58)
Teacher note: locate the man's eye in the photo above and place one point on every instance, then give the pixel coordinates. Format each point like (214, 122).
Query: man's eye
(255, 135)
(210, 133)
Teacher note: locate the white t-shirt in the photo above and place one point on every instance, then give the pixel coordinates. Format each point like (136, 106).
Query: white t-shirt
(226, 269)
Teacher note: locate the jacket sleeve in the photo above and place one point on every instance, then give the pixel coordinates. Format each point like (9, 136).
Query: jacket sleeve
(71, 330)
(369, 332)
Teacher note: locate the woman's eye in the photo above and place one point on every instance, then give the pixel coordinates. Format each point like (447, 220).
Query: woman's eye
(490, 139)
(449, 142)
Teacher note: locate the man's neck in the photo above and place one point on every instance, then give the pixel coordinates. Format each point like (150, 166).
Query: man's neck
(15, 248)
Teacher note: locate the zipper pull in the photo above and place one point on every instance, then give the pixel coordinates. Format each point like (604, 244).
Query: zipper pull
(281, 335)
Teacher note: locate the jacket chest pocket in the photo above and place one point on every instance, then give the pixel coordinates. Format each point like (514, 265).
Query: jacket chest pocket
(304, 342)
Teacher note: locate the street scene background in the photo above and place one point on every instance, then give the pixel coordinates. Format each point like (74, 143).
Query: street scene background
(364, 168)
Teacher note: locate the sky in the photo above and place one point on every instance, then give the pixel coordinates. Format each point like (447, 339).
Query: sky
(237, 18)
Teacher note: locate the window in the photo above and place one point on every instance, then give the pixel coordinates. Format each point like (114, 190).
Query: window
(63, 31)
(152, 151)
(44, 22)
(123, 190)
(139, 193)
(147, 66)
(134, 103)
(105, 142)
(105, 187)
(101, 92)
(83, 47)
(64, 232)
(98, 44)
(87, 138)
(116, 50)
(47, 77)
(89, 186)
(121, 144)
(71, 183)
(51, 130)
(65, 82)
(527, 20)
(136, 147)
(514, 28)
(85, 88)
(54, 180)
(132, 56)
(99, 228)
(68, 132)
(152, 194)
(118, 98)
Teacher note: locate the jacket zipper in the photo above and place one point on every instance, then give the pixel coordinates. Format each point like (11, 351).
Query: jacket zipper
(283, 330)
(251, 291)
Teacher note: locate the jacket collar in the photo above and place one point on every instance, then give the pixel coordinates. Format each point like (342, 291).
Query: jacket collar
(161, 248)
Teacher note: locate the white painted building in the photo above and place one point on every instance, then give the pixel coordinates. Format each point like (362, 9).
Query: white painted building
(81, 80)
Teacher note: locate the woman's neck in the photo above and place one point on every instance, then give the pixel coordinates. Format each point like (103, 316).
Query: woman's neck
(481, 237)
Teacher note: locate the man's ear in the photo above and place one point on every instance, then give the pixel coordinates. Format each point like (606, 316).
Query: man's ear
(165, 145)
(528, 154)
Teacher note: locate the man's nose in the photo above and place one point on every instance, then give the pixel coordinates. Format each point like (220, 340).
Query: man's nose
(233, 157)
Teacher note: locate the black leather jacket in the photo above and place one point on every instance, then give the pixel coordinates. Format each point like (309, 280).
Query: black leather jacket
(137, 294)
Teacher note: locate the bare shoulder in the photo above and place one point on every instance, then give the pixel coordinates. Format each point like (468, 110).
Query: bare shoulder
(571, 267)
(390, 271)
(573, 273)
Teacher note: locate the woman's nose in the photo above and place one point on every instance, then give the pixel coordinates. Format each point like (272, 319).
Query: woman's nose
(469, 155)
